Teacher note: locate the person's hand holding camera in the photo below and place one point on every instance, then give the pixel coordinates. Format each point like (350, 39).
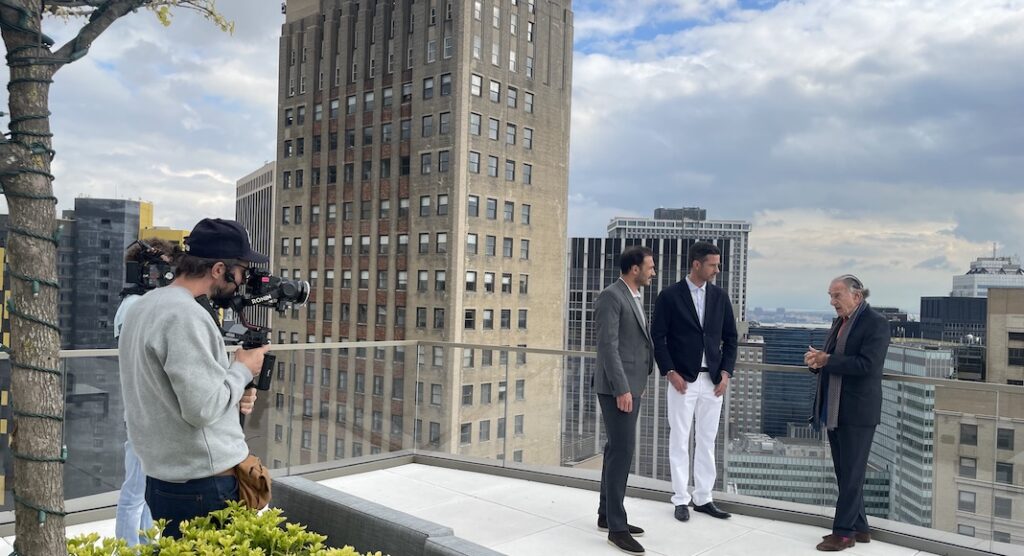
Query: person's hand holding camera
(252, 358)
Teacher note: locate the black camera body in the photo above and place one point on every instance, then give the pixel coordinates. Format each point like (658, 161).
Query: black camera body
(262, 289)
(148, 270)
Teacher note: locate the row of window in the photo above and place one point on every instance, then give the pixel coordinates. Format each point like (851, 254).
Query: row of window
(442, 86)
(969, 436)
(969, 470)
(487, 319)
(292, 247)
(476, 88)
(339, 444)
(426, 168)
(484, 431)
(494, 130)
(1002, 507)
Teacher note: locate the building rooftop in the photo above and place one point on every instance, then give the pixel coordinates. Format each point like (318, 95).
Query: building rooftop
(523, 517)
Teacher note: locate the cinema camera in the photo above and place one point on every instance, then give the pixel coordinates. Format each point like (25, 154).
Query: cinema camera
(262, 289)
(147, 270)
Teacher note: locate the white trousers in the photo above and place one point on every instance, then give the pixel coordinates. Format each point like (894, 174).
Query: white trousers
(698, 403)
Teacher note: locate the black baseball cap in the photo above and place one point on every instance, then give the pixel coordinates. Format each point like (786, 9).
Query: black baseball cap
(215, 238)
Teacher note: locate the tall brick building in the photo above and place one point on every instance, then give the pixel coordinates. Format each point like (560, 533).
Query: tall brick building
(422, 190)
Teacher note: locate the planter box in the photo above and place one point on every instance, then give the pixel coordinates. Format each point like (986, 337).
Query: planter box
(366, 525)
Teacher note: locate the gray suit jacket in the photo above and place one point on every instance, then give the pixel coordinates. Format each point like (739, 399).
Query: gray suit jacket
(625, 352)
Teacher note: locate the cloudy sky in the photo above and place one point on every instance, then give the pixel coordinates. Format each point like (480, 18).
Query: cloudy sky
(882, 137)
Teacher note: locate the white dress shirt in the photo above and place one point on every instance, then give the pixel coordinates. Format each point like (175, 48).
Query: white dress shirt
(637, 298)
(699, 295)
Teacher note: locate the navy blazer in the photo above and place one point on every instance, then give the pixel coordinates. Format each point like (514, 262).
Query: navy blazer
(680, 340)
(860, 364)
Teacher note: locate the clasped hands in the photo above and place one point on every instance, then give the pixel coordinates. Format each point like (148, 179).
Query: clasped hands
(815, 358)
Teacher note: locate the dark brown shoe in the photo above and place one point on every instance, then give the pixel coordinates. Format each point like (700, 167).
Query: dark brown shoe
(835, 543)
(625, 542)
(860, 536)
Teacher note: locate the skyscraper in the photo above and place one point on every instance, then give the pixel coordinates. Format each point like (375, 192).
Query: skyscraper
(691, 224)
(788, 397)
(422, 190)
(988, 272)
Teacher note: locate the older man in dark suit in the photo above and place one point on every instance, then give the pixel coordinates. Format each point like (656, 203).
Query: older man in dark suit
(624, 359)
(848, 402)
(695, 343)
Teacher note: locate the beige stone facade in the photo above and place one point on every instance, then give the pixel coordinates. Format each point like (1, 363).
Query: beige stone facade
(423, 171)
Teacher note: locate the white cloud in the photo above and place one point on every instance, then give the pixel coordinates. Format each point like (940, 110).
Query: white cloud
(881, 112)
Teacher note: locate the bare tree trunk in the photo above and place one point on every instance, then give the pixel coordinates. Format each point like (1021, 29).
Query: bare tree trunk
(37, 389)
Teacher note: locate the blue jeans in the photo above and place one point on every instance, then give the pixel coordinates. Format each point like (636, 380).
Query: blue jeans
(132, 511)
(176, 502)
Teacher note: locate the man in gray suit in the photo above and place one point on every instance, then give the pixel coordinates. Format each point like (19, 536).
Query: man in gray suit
(625, 357)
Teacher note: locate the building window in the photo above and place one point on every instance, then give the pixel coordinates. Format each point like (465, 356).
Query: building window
(476, 84)
(520, 389)
(527, 138)
(471, 244)
(1004, 473)
(492, 166)
(522, 319)
(966, 501)
(428, 88)
(965, 530)
(474, 123)
(441, 242)
(968, 467)
(487, 321)
(524, 216)
(435, 394)
(969, 434)
(1003, 508)
(527, 102)
(438, 318)
(471, 280)
(527, 174)
(446, 79)
(469, 322)
(425, 163)
(485, 430)
(495, 92)
(443, 161)
(1004, 439)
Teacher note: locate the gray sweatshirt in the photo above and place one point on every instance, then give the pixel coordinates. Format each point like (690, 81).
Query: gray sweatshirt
(180, 393)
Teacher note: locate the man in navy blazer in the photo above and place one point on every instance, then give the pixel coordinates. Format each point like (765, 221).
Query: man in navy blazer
(848, 402)
(694, 334)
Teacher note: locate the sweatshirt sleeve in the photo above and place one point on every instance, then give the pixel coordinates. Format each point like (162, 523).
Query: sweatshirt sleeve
(204, 388)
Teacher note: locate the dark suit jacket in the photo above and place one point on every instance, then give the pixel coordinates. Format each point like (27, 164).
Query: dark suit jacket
(680, 340)
(860, 364)
(624, 357)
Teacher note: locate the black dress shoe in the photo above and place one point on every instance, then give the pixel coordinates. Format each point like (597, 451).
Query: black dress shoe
(712, 510)
(682, 513)
(602, 524)
(625, 542)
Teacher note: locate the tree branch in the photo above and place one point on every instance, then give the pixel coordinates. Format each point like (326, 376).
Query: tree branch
(100, 20)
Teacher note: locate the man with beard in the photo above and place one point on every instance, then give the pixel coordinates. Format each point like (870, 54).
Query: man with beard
(181, 393)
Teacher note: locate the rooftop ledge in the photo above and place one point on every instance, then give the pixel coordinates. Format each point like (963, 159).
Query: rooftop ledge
(520, 509)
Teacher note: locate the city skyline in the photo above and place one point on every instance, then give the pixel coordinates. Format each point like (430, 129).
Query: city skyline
(744, 108)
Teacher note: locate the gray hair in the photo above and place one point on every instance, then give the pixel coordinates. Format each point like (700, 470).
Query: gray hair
(853, 284)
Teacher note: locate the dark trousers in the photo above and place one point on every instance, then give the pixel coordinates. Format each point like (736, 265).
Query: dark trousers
(850, 448)
(176, 502)
(618, 456)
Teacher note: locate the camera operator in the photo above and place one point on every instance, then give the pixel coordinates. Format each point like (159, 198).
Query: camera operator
(181, 393)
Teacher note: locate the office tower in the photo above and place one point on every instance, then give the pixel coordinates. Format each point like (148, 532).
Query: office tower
(422, 190)
(691, 224)
(746, 390)
(593, 265)
(988, 272)
(904, 440)
(91, 267)
(796, 470)
(788, 397)
(962, 321)
(979, 434)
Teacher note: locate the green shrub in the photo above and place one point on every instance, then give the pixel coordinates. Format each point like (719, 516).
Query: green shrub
(233, 531)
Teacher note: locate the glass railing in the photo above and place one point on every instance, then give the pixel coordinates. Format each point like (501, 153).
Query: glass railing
(947, 457)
